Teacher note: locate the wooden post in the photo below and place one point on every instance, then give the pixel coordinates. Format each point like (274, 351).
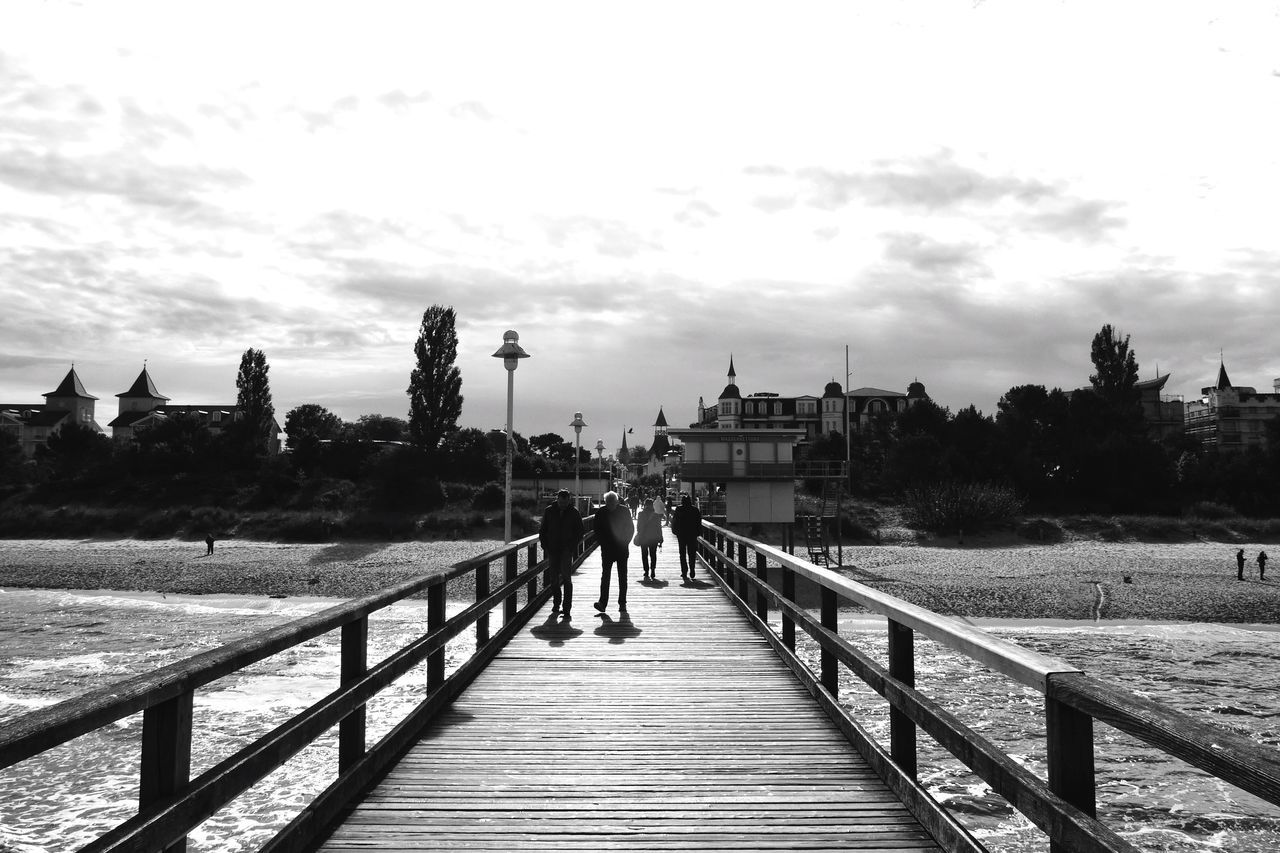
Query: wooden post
(482, 592)
(355, 662)
(902, 666)
(740, 571)
(166, 753)
(510, 604)
(830, 673)
(435, 620)
(762, 600)
(789, 593)
(1070, 758)
(719, 561)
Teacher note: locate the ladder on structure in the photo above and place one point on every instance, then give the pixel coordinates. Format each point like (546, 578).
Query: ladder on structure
(815, 526)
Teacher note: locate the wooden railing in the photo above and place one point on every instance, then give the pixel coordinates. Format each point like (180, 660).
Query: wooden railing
(171, 804)
(1064, 805)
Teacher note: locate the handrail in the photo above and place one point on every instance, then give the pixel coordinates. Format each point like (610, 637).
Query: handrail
(171, 804)
(1065, 807)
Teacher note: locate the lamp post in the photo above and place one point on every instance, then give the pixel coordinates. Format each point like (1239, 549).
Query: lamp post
(578, 424)
(600, 458)
(510, 352)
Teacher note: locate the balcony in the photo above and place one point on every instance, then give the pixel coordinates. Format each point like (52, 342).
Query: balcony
(720, 471)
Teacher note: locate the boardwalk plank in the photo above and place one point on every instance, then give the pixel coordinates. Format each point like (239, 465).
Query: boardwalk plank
(675, 729)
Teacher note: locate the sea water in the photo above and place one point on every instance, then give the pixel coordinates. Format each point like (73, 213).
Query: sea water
(59, 644)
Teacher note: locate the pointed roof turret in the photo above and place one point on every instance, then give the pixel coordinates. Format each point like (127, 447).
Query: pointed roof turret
(143, 387)
(1223, 382)
(71, 387)
(624, 444)
(662, 419)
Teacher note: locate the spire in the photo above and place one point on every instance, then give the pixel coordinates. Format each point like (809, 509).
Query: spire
(624, 443)
(143, 387)
(662, 419)
(71, 387)
(733, 374)
(1223, 382)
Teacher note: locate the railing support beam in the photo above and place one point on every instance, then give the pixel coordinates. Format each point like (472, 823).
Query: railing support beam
(1070, 758)
(762, 600)
(830, 669)
(435, 621)
(482, 592)
(902, 666)
(354, 664)
(789, 593)
(510, 604)
(166, 753)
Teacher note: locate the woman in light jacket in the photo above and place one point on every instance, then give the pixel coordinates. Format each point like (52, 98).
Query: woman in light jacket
(648, 537)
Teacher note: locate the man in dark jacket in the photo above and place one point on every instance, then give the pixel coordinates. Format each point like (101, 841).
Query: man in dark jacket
(686, 524)
(614, 529)
(559, 536)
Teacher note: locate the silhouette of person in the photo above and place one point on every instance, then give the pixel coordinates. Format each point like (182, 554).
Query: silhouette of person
(686, 524)
(559, 535)
(208, 543)
(1262, 565)
(614, 528)
(648, 537)
(660, 507)
(634, 501)
(1240, 565)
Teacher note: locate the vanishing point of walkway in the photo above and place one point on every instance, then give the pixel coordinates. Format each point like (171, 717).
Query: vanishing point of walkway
(675, 729)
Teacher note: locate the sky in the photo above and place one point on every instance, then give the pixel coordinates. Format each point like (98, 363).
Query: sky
(961, 193)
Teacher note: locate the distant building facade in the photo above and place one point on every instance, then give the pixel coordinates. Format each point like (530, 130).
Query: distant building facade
(140, 407)
(1232, 417)
(815, 416)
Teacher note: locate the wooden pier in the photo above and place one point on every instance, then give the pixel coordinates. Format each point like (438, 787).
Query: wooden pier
(676, 728)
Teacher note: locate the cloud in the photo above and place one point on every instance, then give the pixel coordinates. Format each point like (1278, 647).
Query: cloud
(1087, 220)
(926, 254)
(470, 110)
(696, 214)
(606, 236)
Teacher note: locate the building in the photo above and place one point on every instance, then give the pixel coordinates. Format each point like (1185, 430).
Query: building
(757, 468)
(1164, 414)
(815, 416)
(1231, 417)
(32, 423)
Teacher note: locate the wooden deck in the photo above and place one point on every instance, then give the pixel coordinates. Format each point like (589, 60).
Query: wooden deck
(675, 729)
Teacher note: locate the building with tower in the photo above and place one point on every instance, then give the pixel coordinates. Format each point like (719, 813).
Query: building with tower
(32, 423)
(1232, 417)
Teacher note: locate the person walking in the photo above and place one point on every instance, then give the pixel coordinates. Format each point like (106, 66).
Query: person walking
(1262, 565)
(559, 535)
(614, 529)
(686, 524)
(660, 507)
(1240, 565)
(634, 501)
(649, 538)
(208, 543)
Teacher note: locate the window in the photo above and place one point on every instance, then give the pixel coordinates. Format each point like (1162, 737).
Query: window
(777, 408)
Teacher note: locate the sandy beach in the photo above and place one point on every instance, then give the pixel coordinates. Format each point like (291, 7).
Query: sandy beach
(1073, 580)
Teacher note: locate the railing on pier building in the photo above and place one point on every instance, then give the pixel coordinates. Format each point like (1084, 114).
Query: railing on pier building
(1063, 805)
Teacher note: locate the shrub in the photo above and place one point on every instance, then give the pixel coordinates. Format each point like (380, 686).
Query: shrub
(1211, 510)
(491, 496)
(949, 506)
(459, 492)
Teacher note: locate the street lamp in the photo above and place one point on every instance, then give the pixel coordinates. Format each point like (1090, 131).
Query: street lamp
(510, 353)
(578, 424)
(600, 458)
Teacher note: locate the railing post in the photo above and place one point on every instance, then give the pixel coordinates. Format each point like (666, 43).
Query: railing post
(740, 572)
(762, 600)
(435, 620)
(510, 603)
(531, 555)
(482, 592)
(789, 593)
(902, 666)
(830, 674)
(166, 753)
(1070, 758)
(719, 560)
(355, 661)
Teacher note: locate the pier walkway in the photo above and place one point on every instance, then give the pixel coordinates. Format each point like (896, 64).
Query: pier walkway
(676, 728)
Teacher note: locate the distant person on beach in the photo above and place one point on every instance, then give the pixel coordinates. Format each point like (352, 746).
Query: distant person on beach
(1240, 565)
(208, 542)
(614, 529)
(559, 536)
(686, 524)
(649, 538)
(1262, 565)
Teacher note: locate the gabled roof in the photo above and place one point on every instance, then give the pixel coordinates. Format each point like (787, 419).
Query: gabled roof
(143, 387)
(662, 419)
(874, 392)
(48, 417)
(71, 387)
(129, 419)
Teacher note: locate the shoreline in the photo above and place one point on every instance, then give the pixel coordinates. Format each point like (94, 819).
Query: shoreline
(1082, 582)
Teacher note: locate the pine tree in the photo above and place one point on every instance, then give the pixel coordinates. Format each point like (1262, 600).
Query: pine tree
(435, 385)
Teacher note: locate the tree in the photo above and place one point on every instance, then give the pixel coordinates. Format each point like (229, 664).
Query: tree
(313, 420)
(435, 385)
(380, 428)
(73, 448)
(1116, 376)
(552, 446)
(11, 458)
(253, 402)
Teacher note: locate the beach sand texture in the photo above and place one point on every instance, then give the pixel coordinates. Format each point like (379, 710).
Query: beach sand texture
(1072, 580)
